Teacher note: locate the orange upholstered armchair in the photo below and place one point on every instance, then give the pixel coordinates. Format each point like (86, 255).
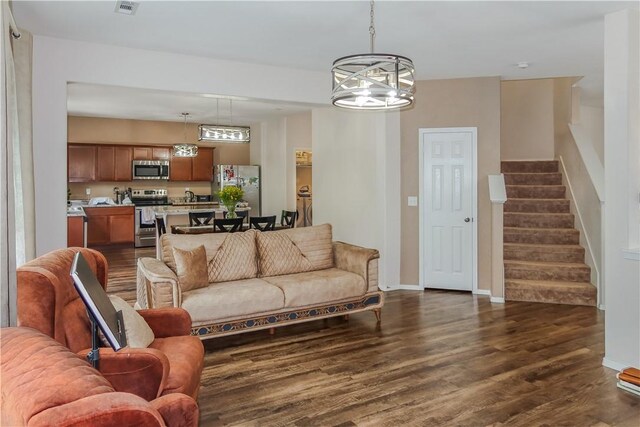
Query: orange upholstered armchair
(45, 384)
(48, 302)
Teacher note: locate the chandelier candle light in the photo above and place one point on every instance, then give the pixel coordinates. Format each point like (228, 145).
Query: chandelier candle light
(373, 81)
(185, 149)
(220, 133)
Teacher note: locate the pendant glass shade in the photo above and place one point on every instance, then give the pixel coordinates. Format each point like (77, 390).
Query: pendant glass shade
(185, 150)
(216, 133)
(374, 81)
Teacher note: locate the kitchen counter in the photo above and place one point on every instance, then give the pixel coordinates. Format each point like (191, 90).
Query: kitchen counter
(195, 203)
(184, 210)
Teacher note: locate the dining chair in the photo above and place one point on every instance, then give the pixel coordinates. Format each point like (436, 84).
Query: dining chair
(160, 226)
(239, 214)
(200, 218)
(288, 218)
(263, 223)
(227, 225)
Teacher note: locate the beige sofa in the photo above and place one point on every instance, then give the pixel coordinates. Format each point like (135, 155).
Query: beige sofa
(259, 280)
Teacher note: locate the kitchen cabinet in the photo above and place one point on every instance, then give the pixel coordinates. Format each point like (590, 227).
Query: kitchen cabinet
(151, 153)
(202, 165)
(114, 163)
(199, 168)
(110, 225)
(81, 163)
(180, 169)
(75, 231)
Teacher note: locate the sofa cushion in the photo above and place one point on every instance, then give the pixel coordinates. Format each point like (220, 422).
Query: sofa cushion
(318, 287)
(295, 250)
(229, 300)
(39, 373)
(230, 256)
(191, 268)
(138, 332)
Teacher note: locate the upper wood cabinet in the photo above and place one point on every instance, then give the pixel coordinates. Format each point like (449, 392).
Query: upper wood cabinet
(180, 169)
(202, 165)
(107, 163)
(151, 153)
(114, 163)
(199, 168)
(81, 163)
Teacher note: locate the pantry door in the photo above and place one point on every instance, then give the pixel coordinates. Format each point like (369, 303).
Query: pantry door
(448, 234)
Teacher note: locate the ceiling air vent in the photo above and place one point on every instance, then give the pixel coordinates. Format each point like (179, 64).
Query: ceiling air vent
(126, 7)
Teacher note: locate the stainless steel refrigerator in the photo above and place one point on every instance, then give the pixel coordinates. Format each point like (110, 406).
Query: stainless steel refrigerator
(243, 176)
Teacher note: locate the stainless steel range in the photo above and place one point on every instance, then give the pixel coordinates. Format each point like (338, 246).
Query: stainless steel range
(145, 225)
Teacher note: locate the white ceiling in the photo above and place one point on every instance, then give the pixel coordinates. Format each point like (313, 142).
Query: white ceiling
(444, 39)
(143, 104)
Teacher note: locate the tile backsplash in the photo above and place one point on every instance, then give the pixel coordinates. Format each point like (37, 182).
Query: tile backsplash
(105, 189)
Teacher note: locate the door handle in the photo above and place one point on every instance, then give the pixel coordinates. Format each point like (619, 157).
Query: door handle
(467, 219)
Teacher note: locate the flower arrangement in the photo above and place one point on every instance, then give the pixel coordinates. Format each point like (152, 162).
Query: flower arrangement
(229, 196)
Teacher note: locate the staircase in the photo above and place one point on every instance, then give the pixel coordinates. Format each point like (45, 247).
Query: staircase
(543, 260)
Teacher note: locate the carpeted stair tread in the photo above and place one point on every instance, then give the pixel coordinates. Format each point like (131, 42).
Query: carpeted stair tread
(550, 291)
(536, 191)
(514, 204)
(542, 236)
(545, 253)
(538, 220)
(544, 264)
(535, 178)
(539, 270)
(529, 166)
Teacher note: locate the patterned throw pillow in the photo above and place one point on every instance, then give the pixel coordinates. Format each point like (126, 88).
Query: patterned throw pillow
(280, 255)
(235, 259)
(191, 268)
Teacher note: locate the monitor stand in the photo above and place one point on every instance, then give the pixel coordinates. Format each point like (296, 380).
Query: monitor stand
(94, 355)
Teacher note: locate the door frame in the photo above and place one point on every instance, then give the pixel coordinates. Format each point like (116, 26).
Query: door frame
(422, 197)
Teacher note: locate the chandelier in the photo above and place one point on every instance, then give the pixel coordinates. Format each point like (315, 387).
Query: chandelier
(185, 149)
(373, 81)
(225, 133)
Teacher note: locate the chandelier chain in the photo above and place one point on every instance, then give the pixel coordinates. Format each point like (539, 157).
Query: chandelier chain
(372, 28)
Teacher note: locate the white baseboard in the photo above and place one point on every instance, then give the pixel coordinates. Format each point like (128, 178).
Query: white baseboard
(612, 364)
(482, 292)
(497, 300)
(402, 287)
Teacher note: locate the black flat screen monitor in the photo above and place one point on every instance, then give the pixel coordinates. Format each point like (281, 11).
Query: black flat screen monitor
(98, 303)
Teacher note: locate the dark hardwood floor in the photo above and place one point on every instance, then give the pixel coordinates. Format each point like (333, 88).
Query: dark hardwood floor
(438, 358)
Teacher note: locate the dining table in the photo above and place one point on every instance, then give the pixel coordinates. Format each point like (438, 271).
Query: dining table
(203, 229)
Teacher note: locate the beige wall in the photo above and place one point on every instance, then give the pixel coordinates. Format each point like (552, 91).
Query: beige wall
(473, 102)
(94, 130)
(526, 126)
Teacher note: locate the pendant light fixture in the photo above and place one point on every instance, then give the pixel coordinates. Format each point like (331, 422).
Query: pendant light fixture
(185, 149)
(220, 133)
(373, 81)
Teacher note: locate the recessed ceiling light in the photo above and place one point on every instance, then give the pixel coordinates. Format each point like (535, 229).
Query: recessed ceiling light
(523, 64)
(126, 7)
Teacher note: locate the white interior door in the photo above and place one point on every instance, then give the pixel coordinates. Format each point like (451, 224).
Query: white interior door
(448, 232)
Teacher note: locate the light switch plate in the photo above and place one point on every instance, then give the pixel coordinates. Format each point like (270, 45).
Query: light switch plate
(412, 201)
(87, 191)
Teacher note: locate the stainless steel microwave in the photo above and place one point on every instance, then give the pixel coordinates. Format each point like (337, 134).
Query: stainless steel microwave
(151, 169)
